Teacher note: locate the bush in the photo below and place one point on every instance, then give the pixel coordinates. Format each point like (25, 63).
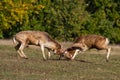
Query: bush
(64, 20)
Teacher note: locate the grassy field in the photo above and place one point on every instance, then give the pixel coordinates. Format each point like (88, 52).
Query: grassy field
(87, 66)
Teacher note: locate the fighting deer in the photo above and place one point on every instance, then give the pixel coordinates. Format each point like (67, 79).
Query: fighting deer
(86, 42)
(38, 38)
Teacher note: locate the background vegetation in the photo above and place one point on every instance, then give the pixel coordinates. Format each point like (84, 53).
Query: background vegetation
(62, 19)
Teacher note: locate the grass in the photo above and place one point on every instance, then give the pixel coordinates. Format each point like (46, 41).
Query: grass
(86, 66)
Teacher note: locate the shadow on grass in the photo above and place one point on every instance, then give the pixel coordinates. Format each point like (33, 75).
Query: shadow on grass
(70, 60)
(84, 61)
(58, 59)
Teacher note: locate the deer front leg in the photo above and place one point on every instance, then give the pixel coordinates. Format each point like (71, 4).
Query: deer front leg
(61, 56)
(43, 53)
(49, 54)
(76, 52)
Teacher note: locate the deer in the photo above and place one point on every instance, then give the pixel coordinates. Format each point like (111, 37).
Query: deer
(87, 42)
(39, 38)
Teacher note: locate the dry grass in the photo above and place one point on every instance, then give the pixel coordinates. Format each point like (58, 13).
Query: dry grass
(88, 66)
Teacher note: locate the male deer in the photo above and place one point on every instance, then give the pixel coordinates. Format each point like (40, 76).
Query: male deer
(84, 43)
(39, 38)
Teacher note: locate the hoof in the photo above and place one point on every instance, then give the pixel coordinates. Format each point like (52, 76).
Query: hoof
(107, 60)
(59, 58)
(25, 57)
(44, 59)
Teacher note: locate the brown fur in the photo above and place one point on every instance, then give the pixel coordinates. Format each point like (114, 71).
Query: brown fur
(84, 43)
(39, 38)
(91, 41)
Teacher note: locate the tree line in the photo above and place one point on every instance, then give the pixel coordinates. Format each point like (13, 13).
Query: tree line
(62, 19)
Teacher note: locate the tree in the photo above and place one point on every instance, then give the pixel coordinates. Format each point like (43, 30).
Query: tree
(104, 18)
(15, 15)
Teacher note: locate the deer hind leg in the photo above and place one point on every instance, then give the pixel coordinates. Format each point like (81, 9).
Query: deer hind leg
(20, 51)
(108, 49)
(108, 53)
(43, 53)
(17, 49)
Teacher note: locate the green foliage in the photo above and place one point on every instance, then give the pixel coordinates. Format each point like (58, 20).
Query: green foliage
(104, 18)
(16, 15)
(62, 19)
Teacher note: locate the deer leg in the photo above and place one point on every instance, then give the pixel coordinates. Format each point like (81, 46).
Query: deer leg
(21, 51)
(108, 53)
(49, 54)
(61, 55)
(105, 47)
(17, 46)
(17, 49)
(43, 53)
(76, 52)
